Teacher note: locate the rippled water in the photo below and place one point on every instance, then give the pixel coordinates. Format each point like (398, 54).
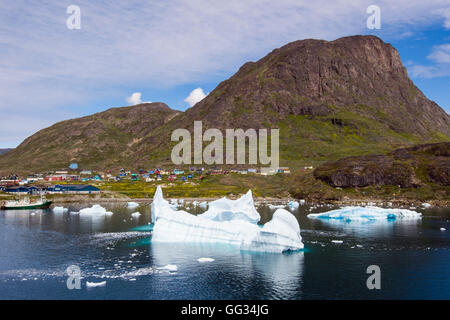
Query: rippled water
(37, 246)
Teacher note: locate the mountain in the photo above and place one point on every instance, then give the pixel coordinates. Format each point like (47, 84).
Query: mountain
(330, 99)
(100, 140)
(2, 151)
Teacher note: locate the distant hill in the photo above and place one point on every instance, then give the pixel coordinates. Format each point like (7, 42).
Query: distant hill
(2, 151)
(105, 139)
(330, 99)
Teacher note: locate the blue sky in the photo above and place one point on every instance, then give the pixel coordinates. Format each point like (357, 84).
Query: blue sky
(165, 49)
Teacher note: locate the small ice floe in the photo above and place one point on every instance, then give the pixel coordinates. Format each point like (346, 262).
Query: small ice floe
(74, 212)
(203, 205)
(293, 205)
(169, 267)
(96, 209)
(132, 205)
(59, 209)
(442, 229)
(136, 214)
(337, 241)
(274, 207)
(202, 260)
(364, 214)
(174, 201)
(95, 284)
(426, 205)
(33, 214)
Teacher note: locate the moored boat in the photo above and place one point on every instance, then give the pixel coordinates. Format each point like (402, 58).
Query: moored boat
(24, 204)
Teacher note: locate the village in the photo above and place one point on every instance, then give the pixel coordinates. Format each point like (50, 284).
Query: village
(74, 181)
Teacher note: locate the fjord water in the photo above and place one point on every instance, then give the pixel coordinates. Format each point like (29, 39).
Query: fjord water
(37, 247)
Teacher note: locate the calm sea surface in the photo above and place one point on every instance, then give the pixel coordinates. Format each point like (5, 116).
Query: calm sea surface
(37, 247)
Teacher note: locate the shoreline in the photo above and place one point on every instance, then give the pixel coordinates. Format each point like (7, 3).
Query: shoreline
(261, 200)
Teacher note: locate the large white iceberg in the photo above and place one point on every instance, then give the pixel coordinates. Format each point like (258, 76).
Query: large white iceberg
(366, 214)
(227, 221)
(225, 209)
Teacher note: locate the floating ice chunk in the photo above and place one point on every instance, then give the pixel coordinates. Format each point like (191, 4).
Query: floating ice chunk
(366, 214)
(203, 205)
(426, 205)
(169, 267)
(231, 222)
(226, 210)
(337, 241)
(96, 209)
(60, 209)
(442, 229)
(136, 214)
(274, 207)
(280, 234)
(132, 205)
(201, 260)
(95, 284)
(293, 205)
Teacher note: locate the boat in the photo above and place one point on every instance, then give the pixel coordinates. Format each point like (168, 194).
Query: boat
(25, 203)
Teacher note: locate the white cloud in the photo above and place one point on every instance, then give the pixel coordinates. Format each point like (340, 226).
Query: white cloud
(163, 44)
(195, 96)
(440, 54)
(135, 98)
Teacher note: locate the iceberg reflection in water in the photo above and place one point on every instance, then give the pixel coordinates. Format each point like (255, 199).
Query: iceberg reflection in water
(233, 274)
(232, 222)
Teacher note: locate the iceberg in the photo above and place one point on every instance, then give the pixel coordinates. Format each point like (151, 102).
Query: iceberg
(226, 210)
(169, 267)
(232, 222)
(96, 209)
(60, 209)
(136, 214)
(293, 205)
(132, 205)
(274, 207)
(95, 284)
(366, 214)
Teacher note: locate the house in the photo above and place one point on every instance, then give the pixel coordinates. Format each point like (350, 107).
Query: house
(251, 170)
(21, 190)
(268, 171)
(178, 171)
(75, 188)
(86, 172)
(285, 170)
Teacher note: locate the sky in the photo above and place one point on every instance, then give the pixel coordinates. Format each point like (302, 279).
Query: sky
(54, 66)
